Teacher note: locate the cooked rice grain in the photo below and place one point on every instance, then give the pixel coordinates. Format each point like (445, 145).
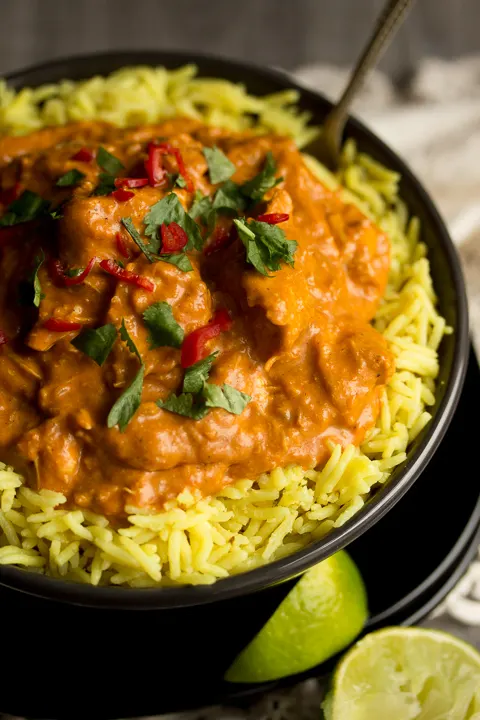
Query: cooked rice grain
(197, 541)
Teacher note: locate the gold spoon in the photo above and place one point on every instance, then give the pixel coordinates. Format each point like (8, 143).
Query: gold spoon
(327, 146)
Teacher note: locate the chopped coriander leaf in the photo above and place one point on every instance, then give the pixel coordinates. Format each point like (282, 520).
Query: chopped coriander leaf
(164, 329)
(168, 210)
(226, 397)
(196, 375)
(73, 272)
(229, 197)
(71, 178)
(201, 208)
(176, 180)
(266, 245)
(180, 260)
(109, 162)
(127, 223)
(128, 403)
(28, 206)
(57, 213)
(220, 167)
(256, 188)
(185, 404)
(96, 343)
(37, 288)
(124, 334)
(106, 184)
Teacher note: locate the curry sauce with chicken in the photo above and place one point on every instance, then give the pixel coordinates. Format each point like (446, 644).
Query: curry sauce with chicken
(180, 307)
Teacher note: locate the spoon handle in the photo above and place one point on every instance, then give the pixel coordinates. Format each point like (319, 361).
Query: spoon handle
(386, 26)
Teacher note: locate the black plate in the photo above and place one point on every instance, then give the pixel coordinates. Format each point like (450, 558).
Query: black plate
(128, 664)
(453, 355)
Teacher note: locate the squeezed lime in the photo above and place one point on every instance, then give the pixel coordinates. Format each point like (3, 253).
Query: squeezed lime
(406, 674)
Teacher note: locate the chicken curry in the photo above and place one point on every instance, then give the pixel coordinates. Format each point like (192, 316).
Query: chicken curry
(180, 307)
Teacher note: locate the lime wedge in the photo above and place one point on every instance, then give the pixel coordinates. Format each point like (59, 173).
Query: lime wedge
(323, 613)
(406, 674)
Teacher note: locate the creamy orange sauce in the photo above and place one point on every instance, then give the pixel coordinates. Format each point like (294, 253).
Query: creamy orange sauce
(301, 344)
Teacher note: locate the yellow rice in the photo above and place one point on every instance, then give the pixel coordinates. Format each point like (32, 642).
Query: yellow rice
(254, 521)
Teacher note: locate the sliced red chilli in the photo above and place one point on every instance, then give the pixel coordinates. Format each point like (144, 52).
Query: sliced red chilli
(174, 238)
(56, 325)
(273, 218)
(113, 268)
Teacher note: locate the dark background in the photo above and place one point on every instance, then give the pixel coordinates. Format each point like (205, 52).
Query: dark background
(285, 33)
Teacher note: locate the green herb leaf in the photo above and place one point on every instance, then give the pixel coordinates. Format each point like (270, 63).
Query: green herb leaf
(201, 208)
(128, 403)
(127, 223)
(266, 245)
(226, 397)
(109, 162)
(219, 166)
(196, 375)
(72, 177)
(28, 206)
(96, 343)
(106, 184)
(185, 404)
(180, 181)
(164, 329)
(256, 188)
(74, 272)
(229, 197)
(57, 213)
(180, 260)
(124, 334)
(37, 288)
(168, 210)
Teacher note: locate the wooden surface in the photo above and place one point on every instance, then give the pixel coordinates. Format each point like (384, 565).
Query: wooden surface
(286, 33)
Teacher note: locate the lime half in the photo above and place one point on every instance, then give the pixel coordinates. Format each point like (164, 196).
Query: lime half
(323, 614)
(406, 674)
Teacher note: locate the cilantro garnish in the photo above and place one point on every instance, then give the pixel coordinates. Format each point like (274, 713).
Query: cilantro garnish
(124, 334)
(106, 184)
(28, 206)
(220, 167)
(180, 260)
(96, 343)
(37, 289)
(198, 396)
(112, 167)
(185, 404)
(164, 329)
(226, 397)
(229, 197)
(71, 178)
(201, 208)
(266, 245)
(127, 222)
(109, 162)
(180, 181)
(256, 188)
(74, 272)
(197, 374)
(168, 210)
(129, 401)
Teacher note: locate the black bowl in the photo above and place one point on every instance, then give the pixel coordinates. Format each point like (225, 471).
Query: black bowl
(407, 573)
(449, 284)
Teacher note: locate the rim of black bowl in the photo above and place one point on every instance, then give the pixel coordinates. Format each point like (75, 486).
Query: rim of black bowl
(84, 66)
